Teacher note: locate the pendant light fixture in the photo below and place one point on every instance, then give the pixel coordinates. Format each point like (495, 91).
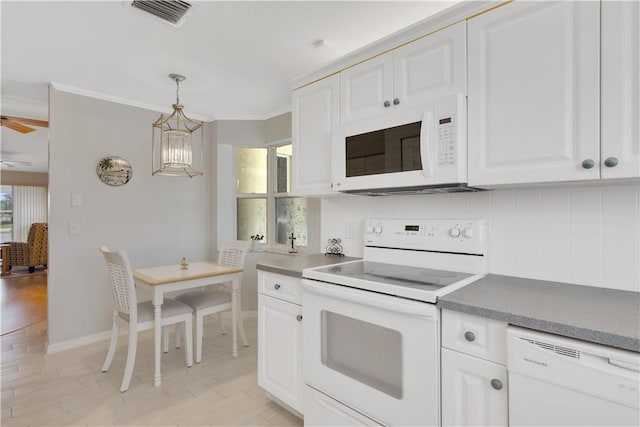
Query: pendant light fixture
(173, 139)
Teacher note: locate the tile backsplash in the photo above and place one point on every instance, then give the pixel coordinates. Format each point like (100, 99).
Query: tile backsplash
(587, 235)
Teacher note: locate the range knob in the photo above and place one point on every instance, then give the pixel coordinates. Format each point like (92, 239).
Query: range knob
(369, 229)
(377, 229)
(454, 232)
(468, 232)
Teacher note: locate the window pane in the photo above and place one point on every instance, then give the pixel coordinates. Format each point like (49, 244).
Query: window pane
(291, 217)
(283, 168)
(252, 170)
(252, 218)
(6, 214)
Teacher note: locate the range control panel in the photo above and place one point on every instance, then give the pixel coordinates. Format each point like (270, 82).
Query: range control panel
(445, 235)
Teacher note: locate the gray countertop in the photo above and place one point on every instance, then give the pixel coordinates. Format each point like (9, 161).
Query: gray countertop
(293, 265)
(599, 315)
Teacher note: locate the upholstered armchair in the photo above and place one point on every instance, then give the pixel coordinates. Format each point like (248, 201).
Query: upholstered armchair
(34, 251)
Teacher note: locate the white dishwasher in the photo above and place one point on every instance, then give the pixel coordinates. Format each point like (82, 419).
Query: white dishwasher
(557, 381)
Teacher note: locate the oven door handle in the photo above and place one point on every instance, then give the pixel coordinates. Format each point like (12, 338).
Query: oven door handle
(371, 299)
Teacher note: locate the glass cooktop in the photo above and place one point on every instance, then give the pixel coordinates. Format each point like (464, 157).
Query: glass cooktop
(425, 279)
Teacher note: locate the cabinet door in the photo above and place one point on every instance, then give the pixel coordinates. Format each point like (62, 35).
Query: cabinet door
(620, 89)
(534, 103)
(432, 67)
(474, 391)
(366, 87)
(280, 350)
(315, 113)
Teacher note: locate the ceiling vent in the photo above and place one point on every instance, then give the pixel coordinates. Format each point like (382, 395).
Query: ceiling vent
(172, 11)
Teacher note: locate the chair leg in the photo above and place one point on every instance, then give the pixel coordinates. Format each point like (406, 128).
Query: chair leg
(199, 328)
(115, 331)
(131, 358)
(188, 345)
(178, 336)
(221, 323)
(165, 339)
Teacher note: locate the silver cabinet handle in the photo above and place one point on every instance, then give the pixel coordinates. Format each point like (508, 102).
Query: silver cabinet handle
(588, 164)
(387, 104)
(469, 336)
(611, 162)
(496, 384)
(276, 286)
(299, 317)
(396, 101)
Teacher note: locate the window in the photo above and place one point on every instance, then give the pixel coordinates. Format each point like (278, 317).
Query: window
(6, 213)
(263, 205)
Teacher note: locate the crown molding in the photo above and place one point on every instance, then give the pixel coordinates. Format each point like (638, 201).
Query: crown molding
(104, 97)
(125, 101)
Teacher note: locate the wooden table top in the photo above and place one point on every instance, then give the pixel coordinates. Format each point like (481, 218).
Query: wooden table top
(172, 273)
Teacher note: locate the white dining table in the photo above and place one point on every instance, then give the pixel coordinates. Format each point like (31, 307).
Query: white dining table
(169, 278)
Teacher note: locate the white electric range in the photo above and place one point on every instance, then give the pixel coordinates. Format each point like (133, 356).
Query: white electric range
(371, 328)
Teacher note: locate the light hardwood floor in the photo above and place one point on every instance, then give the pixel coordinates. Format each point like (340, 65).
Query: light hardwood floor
(67, 388)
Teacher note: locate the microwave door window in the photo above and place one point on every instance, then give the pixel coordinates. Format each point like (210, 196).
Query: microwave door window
(365, 154)
(390, 150)
(410, 149)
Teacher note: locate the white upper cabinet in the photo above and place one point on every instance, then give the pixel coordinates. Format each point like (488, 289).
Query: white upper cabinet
(431, 67)
(620, 89)
(315, 113)
(534, 93)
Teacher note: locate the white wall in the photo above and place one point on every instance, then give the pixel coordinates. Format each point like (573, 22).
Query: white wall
(581, 234)
(155, 219)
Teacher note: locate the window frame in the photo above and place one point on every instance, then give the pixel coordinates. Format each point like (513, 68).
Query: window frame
(271, 195)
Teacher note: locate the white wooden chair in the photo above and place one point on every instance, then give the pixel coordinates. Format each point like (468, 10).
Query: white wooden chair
(210, 301)
(138, 317)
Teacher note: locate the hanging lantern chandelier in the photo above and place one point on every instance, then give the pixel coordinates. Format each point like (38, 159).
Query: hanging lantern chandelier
(173, 139)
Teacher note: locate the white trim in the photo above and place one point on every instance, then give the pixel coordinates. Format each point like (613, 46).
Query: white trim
(106, 335)
(267, 116)
(78, 342)
(99, 95)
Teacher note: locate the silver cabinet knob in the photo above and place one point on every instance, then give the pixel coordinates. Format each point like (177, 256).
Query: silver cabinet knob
(396, 101)
(496, 384)
(299, 317)
(611, 162)
(469, 336)
(387, 104)
(276, 286)
(588, 164)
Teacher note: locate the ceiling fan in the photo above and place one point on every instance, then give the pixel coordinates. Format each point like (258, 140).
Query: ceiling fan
(14, 163)
(19, 124)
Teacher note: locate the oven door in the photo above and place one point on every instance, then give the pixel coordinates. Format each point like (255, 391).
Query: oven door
(374, 353)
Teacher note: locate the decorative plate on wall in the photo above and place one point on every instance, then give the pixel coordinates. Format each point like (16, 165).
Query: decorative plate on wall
(114, 170)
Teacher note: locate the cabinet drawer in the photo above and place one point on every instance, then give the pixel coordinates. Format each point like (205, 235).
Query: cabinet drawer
(476, 336)
(286, 288)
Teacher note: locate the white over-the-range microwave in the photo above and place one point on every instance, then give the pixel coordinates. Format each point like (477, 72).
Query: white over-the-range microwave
(420, 149)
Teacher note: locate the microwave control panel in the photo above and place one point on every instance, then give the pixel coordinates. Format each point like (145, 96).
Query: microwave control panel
(446, 140)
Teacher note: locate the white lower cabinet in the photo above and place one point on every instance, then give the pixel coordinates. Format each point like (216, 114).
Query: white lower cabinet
(280, 344)
(474, 391)
(473, 371)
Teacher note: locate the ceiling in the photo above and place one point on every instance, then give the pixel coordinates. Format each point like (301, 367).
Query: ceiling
(239, 57)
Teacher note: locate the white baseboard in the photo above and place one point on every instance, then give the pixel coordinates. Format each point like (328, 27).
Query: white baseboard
(77, 342)
(106, 335)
